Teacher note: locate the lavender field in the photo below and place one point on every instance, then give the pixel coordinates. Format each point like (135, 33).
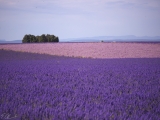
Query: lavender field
(90, 50)
(123, 82)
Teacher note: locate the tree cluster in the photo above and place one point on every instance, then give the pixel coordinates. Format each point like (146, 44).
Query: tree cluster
(43, 38)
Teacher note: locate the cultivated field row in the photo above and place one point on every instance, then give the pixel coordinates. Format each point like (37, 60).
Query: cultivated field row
(90, 50)
(46, 87)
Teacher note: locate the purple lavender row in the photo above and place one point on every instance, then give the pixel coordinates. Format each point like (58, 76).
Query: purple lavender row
(34, 86)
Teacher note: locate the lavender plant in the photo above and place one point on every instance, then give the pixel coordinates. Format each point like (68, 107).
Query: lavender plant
(34, 86)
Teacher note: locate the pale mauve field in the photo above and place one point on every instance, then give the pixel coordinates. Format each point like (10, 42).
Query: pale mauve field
(90, 50)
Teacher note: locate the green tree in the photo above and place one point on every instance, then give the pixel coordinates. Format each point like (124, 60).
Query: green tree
(38, 38)
(43, 38)
(25, 39)
(48, 36)
(56, 39)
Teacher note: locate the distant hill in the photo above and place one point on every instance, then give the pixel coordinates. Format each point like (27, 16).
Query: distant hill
(114, 38)
(127, 38)
(13, 41)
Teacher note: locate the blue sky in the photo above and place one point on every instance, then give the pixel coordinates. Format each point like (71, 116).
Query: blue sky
(79, 18)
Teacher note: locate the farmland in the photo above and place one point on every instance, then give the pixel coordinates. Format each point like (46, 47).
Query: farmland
(90, 50)
(65, 82)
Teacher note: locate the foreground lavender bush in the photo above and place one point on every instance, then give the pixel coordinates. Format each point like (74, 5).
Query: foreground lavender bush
(45, 87)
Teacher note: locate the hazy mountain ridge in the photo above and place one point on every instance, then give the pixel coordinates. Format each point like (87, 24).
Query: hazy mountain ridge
(114, 38)
(127, 38)
(13, 41)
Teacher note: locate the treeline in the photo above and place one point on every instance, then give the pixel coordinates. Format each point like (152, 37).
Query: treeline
(43, 38)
